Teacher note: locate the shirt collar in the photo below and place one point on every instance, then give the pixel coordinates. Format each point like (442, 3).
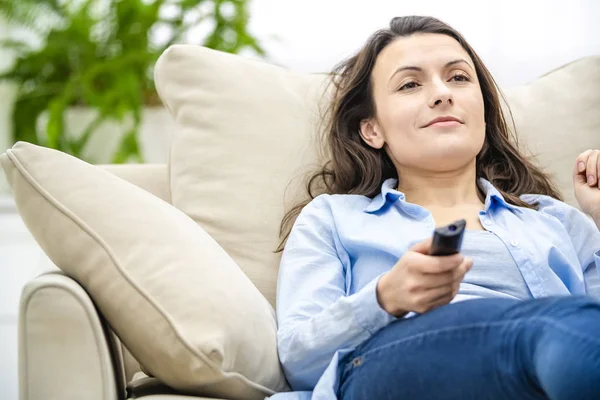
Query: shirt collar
(390, 195)
(492, 194)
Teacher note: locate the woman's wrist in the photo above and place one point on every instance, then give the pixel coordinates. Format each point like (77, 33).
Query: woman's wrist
(382, 291)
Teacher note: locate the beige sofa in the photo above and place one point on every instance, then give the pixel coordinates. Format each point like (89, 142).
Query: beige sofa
(246, 129)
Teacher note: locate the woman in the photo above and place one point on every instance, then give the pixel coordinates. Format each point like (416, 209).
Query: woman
(418, 140)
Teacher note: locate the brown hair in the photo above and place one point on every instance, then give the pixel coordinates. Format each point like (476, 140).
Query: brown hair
(356, 168)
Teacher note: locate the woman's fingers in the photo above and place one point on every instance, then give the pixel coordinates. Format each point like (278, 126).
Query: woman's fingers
(433, 265)
(587, 168)
(432, 297)
(450, 277)
(445, 286)
(591, 170)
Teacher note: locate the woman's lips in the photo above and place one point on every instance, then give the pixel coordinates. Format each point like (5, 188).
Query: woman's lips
(444, 124)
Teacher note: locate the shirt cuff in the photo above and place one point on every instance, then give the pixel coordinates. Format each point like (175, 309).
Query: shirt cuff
(367, 311)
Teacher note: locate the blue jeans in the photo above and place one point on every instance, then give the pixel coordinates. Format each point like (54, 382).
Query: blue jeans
(547, 348)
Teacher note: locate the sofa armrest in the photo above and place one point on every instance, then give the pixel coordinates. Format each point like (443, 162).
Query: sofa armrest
(65, 349)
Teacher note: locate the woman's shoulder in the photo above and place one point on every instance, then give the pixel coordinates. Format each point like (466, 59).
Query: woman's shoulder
(544, 201)
(557, 208)
(336, 203)
(541, 199)
(329, 212)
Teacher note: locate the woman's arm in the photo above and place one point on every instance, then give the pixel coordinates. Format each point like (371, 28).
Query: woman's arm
(315, 315)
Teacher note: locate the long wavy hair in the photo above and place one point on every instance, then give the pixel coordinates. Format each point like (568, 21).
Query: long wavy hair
(353, 167)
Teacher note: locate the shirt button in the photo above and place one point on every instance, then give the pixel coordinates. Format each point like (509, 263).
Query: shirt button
(514, 242)
(487, 221)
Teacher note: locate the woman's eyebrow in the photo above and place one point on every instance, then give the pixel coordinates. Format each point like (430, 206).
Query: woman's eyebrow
(419, 69)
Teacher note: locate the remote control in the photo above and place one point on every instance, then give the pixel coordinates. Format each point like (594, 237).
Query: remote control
(448, 239)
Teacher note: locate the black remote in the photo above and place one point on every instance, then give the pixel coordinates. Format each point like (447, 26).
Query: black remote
(448, 239)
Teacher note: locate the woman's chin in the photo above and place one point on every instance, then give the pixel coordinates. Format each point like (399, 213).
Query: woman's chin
(454, 147)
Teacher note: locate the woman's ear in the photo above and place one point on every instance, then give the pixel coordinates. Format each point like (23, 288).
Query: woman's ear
(371, 134)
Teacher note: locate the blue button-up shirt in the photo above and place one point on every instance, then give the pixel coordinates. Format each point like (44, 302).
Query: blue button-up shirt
(341, 244)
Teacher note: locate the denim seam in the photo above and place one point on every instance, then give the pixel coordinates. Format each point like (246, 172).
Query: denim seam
(441, 330)
(481, 325)
(569, 331)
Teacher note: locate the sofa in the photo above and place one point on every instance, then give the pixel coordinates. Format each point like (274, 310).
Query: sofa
(162, 278)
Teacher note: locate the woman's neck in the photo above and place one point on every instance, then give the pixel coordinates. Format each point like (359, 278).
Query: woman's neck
(446, 189)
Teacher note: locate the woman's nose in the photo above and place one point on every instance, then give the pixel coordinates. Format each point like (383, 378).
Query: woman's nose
(441, 94)
(444, 99)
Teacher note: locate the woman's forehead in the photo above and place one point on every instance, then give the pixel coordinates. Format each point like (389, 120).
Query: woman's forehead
(425, 51)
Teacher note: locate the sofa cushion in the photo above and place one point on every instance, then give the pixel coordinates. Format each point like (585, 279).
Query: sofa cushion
(245, 130)
(557, 117)
(177, 301)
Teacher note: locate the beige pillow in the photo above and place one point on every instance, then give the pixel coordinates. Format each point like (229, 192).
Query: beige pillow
(557, 116)
(169, 291)
(245, 131)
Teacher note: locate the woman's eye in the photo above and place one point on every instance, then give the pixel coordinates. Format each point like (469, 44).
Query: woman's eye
(455, 78)
(460, 78)
(409, 85)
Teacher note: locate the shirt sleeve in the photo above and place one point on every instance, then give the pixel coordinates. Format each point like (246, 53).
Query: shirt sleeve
(316, 317)
(584, 236)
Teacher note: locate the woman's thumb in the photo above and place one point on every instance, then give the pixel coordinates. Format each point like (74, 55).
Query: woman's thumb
(422, 247)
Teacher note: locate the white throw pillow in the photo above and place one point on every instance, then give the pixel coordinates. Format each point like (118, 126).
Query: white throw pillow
(176, 300)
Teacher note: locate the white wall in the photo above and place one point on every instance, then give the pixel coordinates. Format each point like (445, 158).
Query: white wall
(517, 39)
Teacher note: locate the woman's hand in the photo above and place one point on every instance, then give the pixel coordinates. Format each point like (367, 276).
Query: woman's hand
(420, 282)
(587, 184)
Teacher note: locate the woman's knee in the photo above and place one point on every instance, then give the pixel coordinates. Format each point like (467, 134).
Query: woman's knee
(566, 360)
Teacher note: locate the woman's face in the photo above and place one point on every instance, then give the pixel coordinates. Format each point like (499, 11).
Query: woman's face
(415, 80)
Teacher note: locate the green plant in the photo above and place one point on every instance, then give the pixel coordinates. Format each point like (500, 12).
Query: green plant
(100, 54)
